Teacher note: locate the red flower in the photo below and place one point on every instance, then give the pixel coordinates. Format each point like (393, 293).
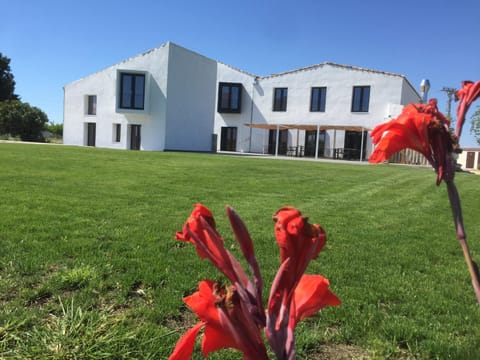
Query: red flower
(299, 243)
(224, 322)
(196, 226)
(420, 127)
(468, 93)
(297, 240)
(199, 230)
(233, 316)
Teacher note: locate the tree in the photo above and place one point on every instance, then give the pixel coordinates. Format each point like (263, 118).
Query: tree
(55, 129)
(20, 119)
(7, 83)
(475, 126)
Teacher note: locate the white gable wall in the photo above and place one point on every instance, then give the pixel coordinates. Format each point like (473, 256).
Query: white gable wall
(339, 81)
(190, 100)
(104, 85)
(386, 93)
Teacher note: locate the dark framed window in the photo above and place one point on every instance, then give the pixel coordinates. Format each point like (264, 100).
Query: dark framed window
(280, 99)
(282, 142)
(318, 99)
(117, 128)
(360, 98)
(228, 138)
(132, 91)
(91, 134)
(229, 97)
(92, 105)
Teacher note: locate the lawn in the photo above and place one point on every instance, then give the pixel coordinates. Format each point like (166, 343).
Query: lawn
(89, 267)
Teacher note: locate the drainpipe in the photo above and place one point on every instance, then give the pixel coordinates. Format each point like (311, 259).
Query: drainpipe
(361, 147)
(317, 141)
(255, 82)
(276, 140)
(334, 141)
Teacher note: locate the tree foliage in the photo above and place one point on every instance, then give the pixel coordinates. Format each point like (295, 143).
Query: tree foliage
(20, 119)
(55, 129)
(17, 119)
(7, 83)
(475, 126)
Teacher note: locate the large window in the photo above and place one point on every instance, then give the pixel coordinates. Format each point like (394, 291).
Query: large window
(360, 98)
(280, 99)
(132, 91)
(92, 105)
(229, 98)
(318, 98)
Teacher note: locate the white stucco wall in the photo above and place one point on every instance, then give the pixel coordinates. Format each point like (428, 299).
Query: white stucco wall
(190, 100)
(384, 89)
(104, 84)
(248, 140)
(388, 94)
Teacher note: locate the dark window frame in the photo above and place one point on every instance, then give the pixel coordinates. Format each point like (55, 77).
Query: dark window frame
(228, 138)
(91, 104)
(280, 98)
(134, 91)
(321, 99)
(230, 104)
(361, 98)
(118, 132)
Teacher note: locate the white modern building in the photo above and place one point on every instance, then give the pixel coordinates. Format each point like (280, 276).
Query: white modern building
(170, 98)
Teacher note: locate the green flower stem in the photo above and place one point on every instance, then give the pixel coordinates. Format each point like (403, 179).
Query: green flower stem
(461, 235)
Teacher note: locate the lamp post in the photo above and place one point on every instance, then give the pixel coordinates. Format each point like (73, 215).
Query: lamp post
(424, 88)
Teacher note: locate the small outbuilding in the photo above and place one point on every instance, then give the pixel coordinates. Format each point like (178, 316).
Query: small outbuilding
(469, 159)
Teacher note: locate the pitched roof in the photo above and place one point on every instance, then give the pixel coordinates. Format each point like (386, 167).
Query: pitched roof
(327, 63)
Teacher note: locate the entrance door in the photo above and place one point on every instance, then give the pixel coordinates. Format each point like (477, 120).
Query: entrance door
(311, 142)
(228, 138)
(353, 144)
(135, 137)
(91, 131)
(282, 142)
(470, 160)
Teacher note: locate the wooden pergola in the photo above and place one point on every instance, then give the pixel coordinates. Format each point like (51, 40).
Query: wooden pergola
(309, 127)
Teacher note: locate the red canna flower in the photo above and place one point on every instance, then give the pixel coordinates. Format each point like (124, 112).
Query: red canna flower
(467, 94)
(423, 128)
(420, 127)
(195, 225)
(297, 240)
(200, 231)
(224, 322)
(233, 316)
(299, 243)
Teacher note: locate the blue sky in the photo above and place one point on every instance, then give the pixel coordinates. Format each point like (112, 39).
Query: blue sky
(52, 43)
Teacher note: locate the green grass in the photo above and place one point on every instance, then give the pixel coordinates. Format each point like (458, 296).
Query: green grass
(89, 267)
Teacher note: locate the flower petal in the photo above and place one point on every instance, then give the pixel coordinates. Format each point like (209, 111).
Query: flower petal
(202, 302)
(184, 348)
(467, 94)
(215, 339)
(312, 294)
